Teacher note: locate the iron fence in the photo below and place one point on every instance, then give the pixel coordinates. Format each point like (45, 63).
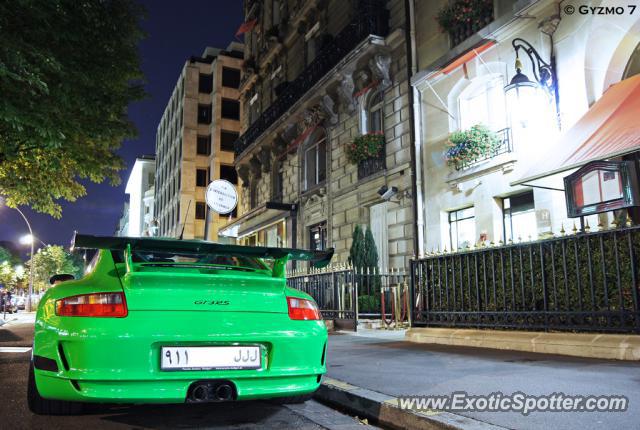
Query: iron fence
(580, 282)
(348, 294)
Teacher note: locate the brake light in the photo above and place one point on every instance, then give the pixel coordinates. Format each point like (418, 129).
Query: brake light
(302, 309)
(92, 305)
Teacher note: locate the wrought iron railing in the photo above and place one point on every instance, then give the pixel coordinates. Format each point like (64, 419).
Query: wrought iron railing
(582, 282)
(505, 147)
(334, 290)
(371, 18)
(462, 30)
(338, 289)
(372, 165)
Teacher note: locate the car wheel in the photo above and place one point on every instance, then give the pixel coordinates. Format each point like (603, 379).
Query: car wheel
(41, 406)
(293, 399)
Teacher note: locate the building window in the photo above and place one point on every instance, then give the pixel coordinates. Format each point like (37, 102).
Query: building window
(205, 83)
(229, 173)
(201, 210)
(201, 177)
(230, 109)
(375, 115)
(318, 236)
(204, 114)
(227, 139)
(204, 145)
(311, 41)
(483, 102)
(315, 160)
(519, 217)
(230, 77)
(462, 228)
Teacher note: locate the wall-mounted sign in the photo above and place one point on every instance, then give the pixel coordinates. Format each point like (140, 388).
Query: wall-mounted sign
(601, 186)
(221, 196)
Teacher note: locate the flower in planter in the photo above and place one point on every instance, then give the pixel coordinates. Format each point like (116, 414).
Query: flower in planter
(467, 14)
(365, 147)
(469, 145)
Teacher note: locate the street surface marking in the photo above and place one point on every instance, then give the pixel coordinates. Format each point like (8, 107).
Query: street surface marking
(14, 349)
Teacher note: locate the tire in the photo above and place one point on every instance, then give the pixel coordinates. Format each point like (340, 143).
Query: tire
(41, 406)
(289, 400)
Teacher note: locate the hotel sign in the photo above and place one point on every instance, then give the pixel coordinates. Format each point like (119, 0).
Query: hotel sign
(601, 186)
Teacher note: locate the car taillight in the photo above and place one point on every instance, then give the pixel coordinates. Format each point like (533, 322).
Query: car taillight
(92, 305)
(302, 309)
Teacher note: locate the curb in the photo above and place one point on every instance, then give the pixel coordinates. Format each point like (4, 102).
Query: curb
(590, 345)
(384, 409)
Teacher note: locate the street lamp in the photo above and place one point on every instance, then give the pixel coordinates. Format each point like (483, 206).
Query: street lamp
(529, 101)
(31, 241)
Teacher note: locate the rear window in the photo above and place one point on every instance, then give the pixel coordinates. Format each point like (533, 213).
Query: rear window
(170, 258)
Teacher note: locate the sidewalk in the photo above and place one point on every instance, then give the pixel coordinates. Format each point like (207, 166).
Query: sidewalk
(386, 366)
(21, 317)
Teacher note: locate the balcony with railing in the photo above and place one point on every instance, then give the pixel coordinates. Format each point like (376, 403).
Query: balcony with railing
(372, 165)
(505, 146)
(371, 19)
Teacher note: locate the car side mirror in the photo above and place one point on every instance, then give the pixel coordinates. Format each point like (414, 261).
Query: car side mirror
(61, 277)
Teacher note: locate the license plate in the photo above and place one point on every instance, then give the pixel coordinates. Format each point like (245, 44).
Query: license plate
(210, 357)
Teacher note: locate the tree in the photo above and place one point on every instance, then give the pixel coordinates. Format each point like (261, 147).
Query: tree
(68, 71)
(356, 252)
(370, 258)
(51, 260)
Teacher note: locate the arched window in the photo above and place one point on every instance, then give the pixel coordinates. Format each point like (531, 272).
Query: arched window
(314, 156)
(483, 102)
(375, 115)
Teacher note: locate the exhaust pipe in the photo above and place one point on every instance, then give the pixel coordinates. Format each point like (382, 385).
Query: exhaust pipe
(200, 393)
(224, 392)
(211, 391)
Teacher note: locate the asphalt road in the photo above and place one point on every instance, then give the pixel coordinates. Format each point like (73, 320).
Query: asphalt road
(14, 413)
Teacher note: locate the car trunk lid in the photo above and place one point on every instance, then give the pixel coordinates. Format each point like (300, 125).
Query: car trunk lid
(203, 289)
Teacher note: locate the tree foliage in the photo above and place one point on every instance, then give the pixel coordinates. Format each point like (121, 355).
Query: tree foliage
(68, 71)
(5, 255)
(52, 260)
(356, 252)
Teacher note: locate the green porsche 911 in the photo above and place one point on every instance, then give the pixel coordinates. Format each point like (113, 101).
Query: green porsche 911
(171, 321)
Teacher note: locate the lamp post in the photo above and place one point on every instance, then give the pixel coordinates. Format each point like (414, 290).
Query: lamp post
(31, 240)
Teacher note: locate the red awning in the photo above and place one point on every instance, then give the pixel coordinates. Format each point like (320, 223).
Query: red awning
(246, 26)
(610, 128)
(467, 56)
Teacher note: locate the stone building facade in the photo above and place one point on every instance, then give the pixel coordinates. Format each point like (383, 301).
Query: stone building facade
(317, 75)
(194, 143)
(462, 80)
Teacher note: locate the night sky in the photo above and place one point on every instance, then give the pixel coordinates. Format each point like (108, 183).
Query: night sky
(175, 31)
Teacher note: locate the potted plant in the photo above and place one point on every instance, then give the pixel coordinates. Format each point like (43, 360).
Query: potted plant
(466, 146)
(462, 18)
(364, 147)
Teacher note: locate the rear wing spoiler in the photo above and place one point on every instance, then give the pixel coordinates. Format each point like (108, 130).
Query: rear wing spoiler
(317, 259)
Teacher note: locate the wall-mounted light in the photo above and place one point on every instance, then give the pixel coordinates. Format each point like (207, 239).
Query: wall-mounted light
(530, 102)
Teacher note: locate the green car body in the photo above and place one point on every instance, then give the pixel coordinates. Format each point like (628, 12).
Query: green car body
(117, 359)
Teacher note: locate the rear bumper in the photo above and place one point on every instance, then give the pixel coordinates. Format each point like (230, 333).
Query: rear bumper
(166, 391)
(118, 359)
